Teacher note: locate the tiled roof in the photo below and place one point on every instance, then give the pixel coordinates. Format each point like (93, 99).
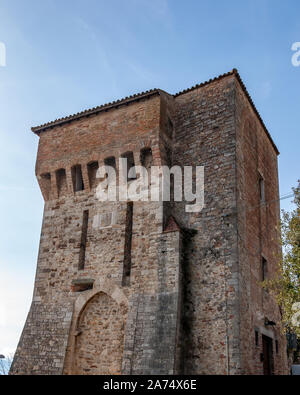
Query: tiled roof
(234, 71)
(95, 110)
(147, 94)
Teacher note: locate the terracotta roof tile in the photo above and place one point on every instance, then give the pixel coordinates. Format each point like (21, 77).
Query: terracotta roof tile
(95, 110)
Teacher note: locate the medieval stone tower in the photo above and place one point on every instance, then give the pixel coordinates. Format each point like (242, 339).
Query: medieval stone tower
(145, 287)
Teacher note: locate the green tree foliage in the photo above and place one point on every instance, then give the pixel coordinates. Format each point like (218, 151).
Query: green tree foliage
(286, 285)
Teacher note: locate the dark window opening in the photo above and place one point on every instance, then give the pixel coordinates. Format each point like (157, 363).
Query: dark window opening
(111, 161)
(168, 156)
(264, 268)
(127, 245)
(83, 241)
(46, 176)
(82, 285)
(261, 189)
(61, 182)
(77, 178)
(130, 164)
(92, 173)
(256, 338)
(146, 158)
(267, 355)
(46, 185)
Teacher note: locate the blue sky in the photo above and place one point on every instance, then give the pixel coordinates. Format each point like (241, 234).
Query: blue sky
(66, 56)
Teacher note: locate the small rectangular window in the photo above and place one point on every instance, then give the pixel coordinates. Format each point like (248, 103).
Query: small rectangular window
(77, 178)
(92, 172)
(256, 338)
(131, 175)
(61, 182)
(111, 161)
(81, 285)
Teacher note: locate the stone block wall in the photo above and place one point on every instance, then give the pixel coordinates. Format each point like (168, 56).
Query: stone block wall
(258, 238)
(205, 136)
(181, 292)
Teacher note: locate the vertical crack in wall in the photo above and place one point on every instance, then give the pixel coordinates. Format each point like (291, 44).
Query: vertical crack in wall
(127, 244)
(84, 229)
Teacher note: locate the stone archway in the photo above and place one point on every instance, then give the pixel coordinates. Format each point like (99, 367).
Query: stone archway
(97, 335)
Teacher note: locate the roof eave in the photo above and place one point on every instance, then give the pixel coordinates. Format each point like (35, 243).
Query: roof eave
(235, 73)
(134, 98)
(96, 110)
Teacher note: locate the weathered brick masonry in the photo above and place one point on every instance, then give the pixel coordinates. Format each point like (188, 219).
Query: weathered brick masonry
(148, 288)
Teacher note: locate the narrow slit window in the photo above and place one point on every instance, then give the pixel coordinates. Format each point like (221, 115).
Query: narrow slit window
(130, 164)
(77, 178)
(61, 182)
(256, 338)
(83, 241)
(168, 156)
(264, 269)
(127, 245)
(92, 173)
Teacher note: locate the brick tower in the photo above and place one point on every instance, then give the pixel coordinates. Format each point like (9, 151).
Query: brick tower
(145, 287)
